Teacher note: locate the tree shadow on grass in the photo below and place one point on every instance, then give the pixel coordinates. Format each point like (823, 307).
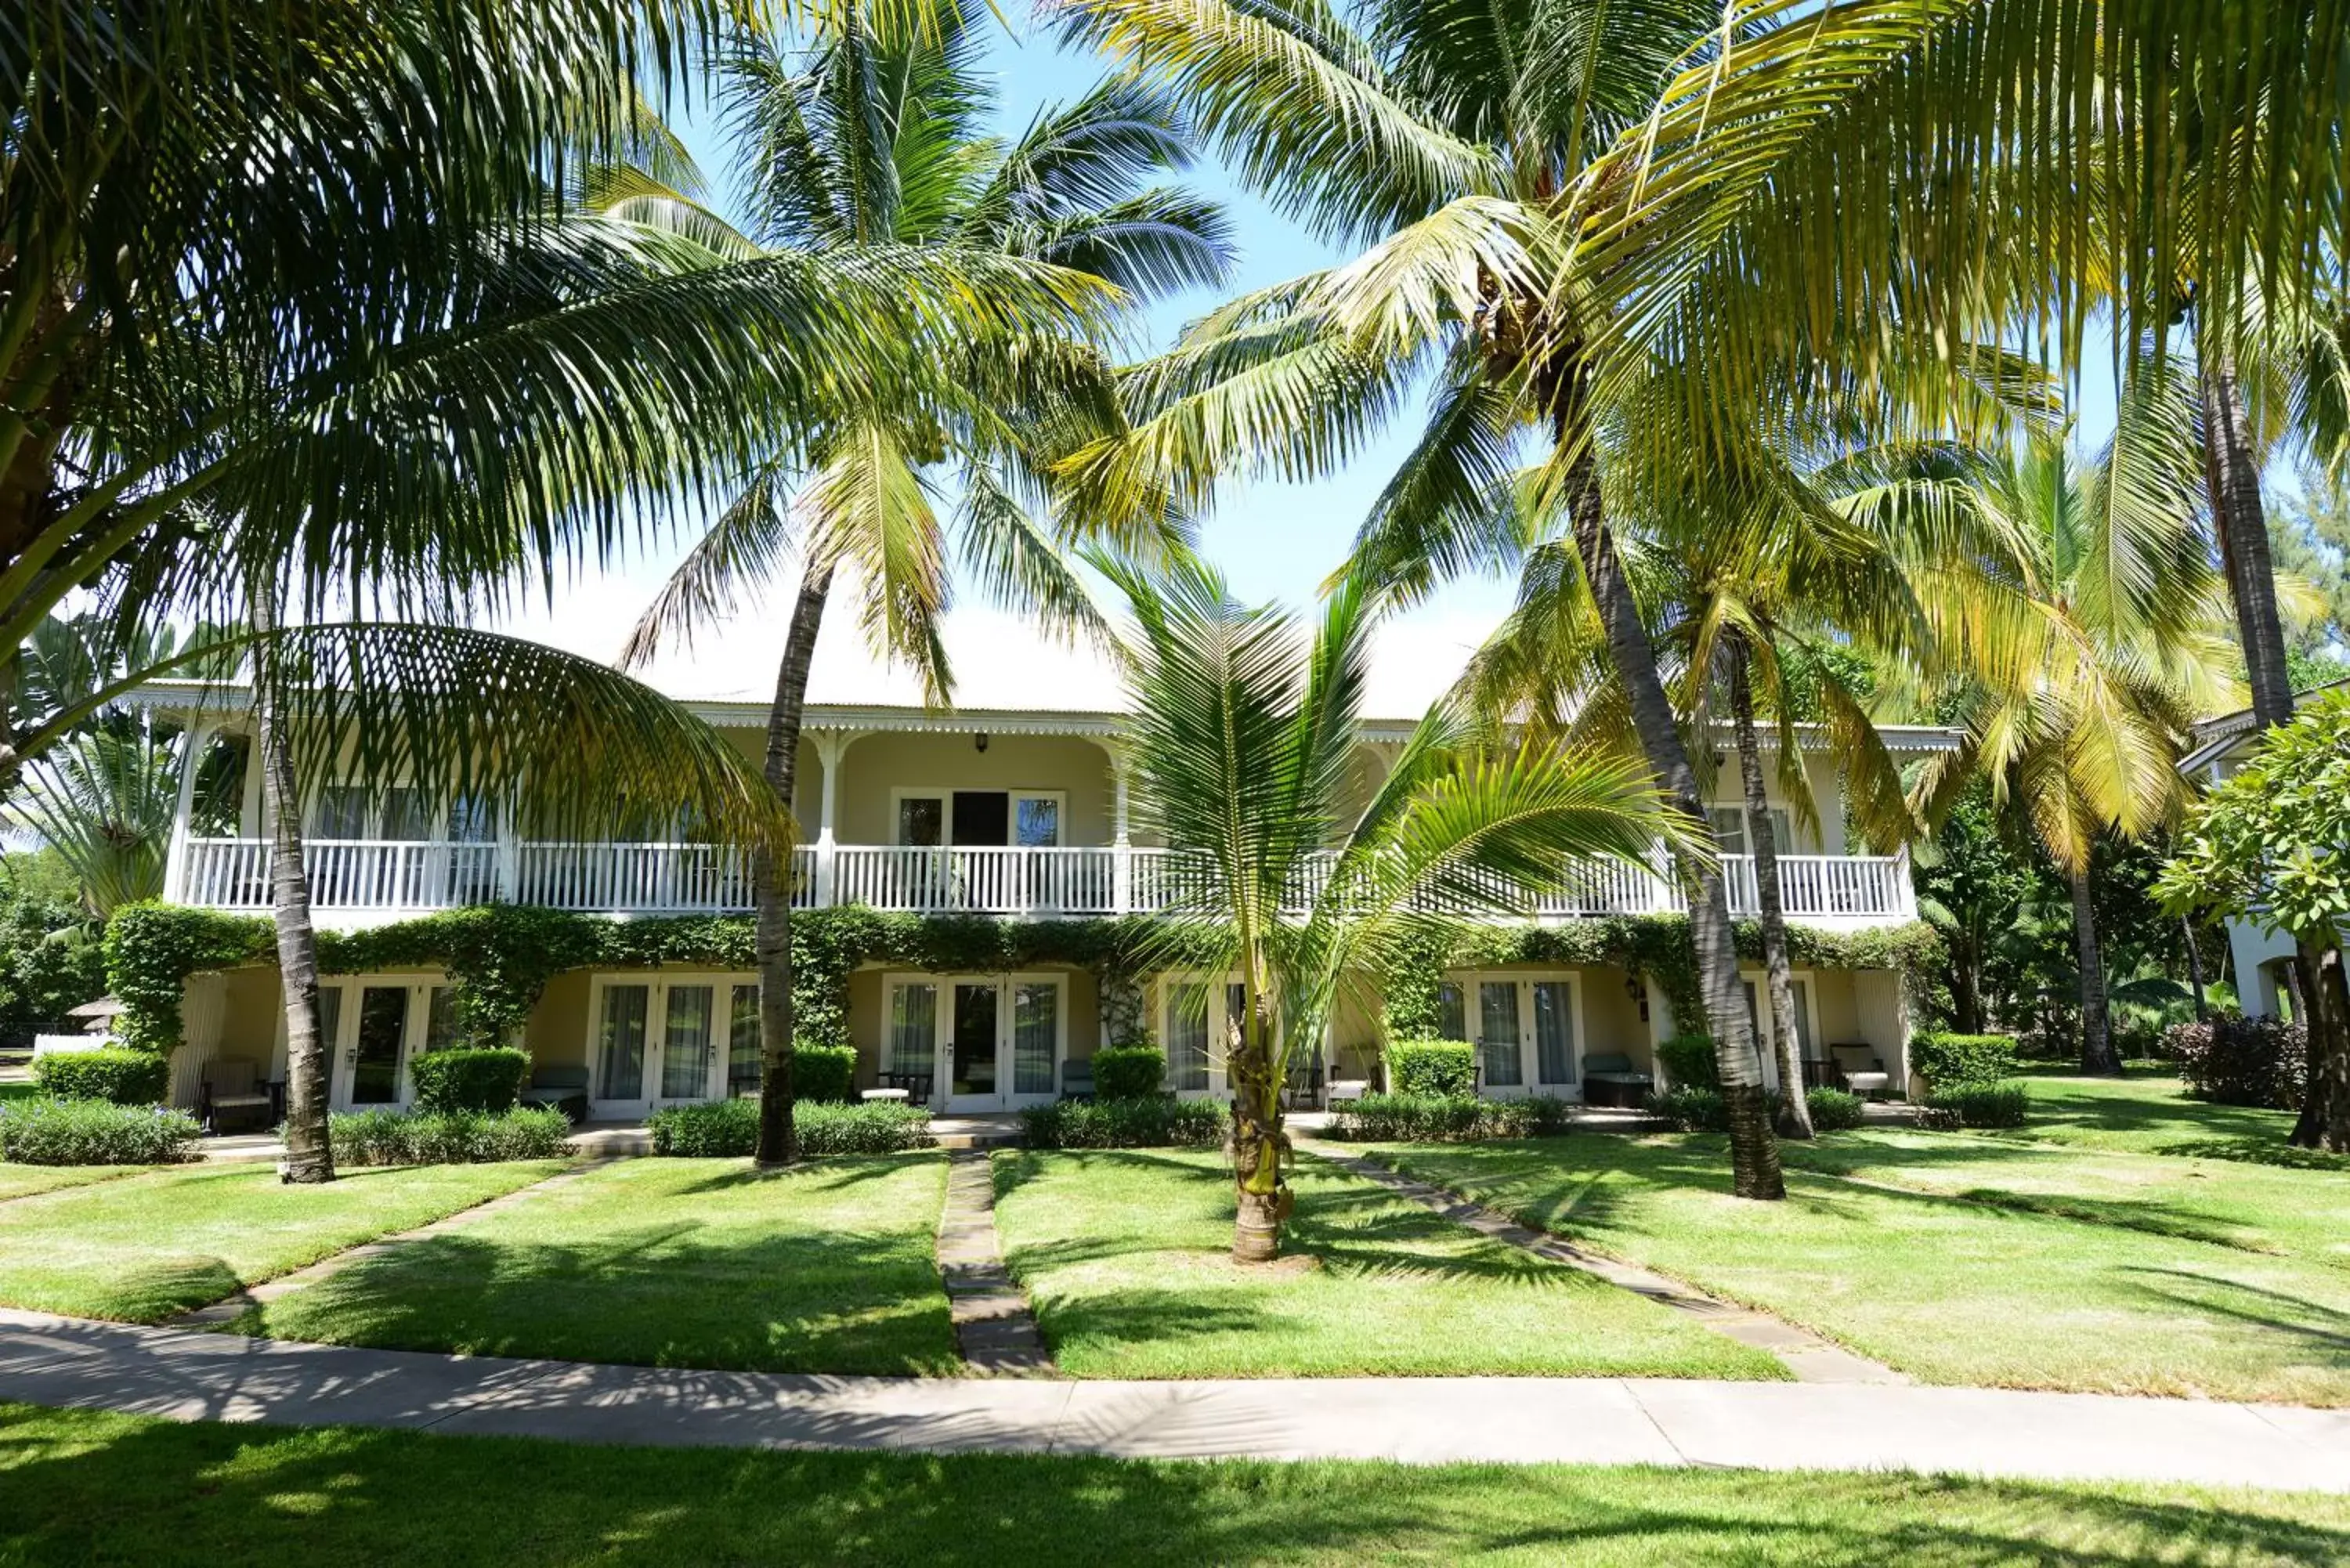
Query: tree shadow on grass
(673, 1294)
(92, 1488)
(2321, 1329)
(831, 1173)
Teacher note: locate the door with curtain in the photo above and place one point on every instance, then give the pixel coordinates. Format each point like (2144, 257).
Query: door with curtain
(1527, 1029)
(669, 1041)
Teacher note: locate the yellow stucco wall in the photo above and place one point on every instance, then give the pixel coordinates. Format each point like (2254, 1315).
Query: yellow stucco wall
(878, 764)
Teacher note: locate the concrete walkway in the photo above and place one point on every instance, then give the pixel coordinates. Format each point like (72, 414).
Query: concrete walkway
(185, 1375)
(993, 1327)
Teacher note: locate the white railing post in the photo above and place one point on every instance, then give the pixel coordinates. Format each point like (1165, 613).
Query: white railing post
(1121, 869)
(175, 859)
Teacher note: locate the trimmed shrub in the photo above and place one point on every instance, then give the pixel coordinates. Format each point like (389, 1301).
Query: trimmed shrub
(1159, 1122)
(1833, 1110)
(119, 1077)
(730, 1128)
(447, 1137)
(1446, 1118)
(1129, 1072)
(485, 1080)
(1691, 1109)
(1444, 1069)
(2239, 1061)
(826, 1074)
(95, 1132)
(1984, 1104)
(1962, 1060)
(1688, 1061)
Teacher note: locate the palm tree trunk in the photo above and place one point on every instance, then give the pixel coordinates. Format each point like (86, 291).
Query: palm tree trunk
(1754, 1153)
(1794, 1111)
(309, 1153)
(2232, 471)
(1262, 1199)
(779, 1139)
(2097, 1027)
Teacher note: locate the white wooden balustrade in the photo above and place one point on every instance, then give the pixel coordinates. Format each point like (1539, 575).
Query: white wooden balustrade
(399, 876)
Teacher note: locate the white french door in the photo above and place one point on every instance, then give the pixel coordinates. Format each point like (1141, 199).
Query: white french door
(1527, 1029)
(1199, 1022)
(657, 1042)
(373, 1026)
(987, 1043)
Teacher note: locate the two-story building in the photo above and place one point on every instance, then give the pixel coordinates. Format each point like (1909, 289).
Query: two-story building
(1011, 815)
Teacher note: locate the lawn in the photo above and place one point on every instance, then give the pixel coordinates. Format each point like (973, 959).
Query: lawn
(2154, 1115)
(88, 1487)
(828, 1267)
(1125, 1254)
(147, 1248)
(1950, 1290)
(2256, 1208)
(23, 1180)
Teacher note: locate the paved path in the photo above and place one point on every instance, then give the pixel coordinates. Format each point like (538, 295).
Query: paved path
(994, 1328)
(185, 1376)
(1810, 1358)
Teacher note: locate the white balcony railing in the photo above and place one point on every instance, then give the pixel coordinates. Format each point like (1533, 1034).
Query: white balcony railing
(399, 876)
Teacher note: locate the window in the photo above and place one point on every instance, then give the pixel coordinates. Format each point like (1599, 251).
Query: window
(1036, 819)
(342, 813)
(440, 1019)
(1451, 1012)
(1803, 991)
(979, 818)
(921, 821)
(1186, 1034)
(1730, 828)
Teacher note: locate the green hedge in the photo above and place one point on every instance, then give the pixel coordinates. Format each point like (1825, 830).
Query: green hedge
(1833, 1110)
(1443, 1068)
(447, 1137)
(1962, 1060)
(730, 1128)
(94, 1132)
(1129, 1072)
(2237, 1060)
(1446, 1118)
(117, 1076)
(1979, 1106)
(469, 1079)
(1702, 1110)
(824, 1073)
(1159, 1122)
(1688, 1062)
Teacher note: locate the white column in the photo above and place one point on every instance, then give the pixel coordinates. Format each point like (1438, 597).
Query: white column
(1121, 844)
(509, 860)
(830, 746)
(175, 858)
(1904, 887)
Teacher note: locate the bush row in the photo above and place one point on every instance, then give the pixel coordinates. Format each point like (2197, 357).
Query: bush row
(119, 1077)
(1159, 1122)
(447, 1137)
(1446, 1118)
(730, 1128)
(1977, 1106)
(1704, 1110)
(1954, 1062)
(469, 1079)
(1444, 1069)
(2237, 1061)
(1129, 1072)
(94, 1132)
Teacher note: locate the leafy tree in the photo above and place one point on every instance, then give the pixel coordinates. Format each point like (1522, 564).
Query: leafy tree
(867, 141)
(1242, 742)
(2271, 844)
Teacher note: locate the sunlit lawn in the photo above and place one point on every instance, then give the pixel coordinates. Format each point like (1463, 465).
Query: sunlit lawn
(828, 1267)
(2154, 1115)
(1951, 1290)
(146, 1247)
(23, 1180)
(1126, 1254)
(88, 1487)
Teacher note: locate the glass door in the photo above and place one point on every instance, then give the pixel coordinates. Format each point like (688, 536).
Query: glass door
(1554, 1063)
(1036, 1047)
(909, 1053)
(688, 1031)
(1185, 1030)
(620, 1051)
(1501, 1046)
(973, 1045)
(379, 1045)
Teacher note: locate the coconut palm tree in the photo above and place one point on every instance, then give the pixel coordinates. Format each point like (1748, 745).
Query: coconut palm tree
(1240, 740)
(1570, 199)
(871, 139)
(2123, 624)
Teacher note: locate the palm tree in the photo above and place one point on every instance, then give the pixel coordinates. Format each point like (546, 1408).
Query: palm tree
(871, 140)
(1579, 198)
(2121, 623)
(1241, 739)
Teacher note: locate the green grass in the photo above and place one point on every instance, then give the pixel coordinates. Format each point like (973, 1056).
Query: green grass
(1952, 1291)
(83, 1487)
(147, 1248)
(829, 1267)
(2256, 1208)
(23, 1180)
(1124, 1253)
(20, 1091)
(2154, 1115)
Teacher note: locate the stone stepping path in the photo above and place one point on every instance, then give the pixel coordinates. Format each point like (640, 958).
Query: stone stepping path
(994, 1329)
(228, 1309)
(1810, 1358)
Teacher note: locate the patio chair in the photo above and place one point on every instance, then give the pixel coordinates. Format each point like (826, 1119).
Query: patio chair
(916, 1085)
(232, 1084)
(1077, 1080)
(1862, 1070)
(1610, 1079)
(1349, 1089)
(1303, 1088)
(563, 1085)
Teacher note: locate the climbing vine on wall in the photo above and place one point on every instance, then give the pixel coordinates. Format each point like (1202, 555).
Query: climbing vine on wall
(500, 957)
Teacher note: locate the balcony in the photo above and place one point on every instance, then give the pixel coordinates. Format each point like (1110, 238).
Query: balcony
(372, 879)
